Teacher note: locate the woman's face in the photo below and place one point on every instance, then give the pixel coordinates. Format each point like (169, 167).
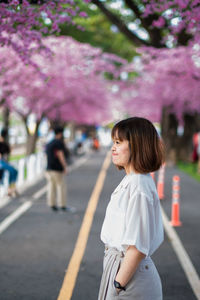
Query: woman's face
(121, 153)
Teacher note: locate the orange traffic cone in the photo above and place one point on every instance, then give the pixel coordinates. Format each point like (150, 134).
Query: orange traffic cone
(152, 175)
(160, 184)
(175, 213)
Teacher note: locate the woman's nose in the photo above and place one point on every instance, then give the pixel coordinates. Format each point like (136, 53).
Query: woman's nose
(113, 148)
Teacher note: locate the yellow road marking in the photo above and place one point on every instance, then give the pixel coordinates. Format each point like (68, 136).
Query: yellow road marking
(74, 264)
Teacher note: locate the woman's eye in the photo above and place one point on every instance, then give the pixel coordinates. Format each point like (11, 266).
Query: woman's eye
(117, 142)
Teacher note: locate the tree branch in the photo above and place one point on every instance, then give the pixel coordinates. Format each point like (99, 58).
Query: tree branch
(154, 33)
(121, 26)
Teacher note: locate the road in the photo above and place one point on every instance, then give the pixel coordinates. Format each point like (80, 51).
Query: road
(36, 249)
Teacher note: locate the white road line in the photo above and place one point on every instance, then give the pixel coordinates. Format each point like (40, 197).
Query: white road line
(182, 255)
(25, 206)
(39, 193)
(78, 163)
(14, 216)
(4, 201)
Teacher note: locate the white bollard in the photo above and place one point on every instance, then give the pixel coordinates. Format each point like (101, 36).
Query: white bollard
(21, 171)
(43, 161)
(31, 167)
(5, 185)
(40, 162)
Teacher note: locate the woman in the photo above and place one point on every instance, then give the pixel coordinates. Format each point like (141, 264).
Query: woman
(132, 229)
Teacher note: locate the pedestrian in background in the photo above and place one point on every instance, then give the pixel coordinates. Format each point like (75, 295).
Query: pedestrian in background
(96, 144)
(6, 166)
(132, 229)
(56, 171)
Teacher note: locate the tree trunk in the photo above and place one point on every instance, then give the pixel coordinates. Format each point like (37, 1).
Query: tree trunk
(169, 126)
(31, 138)
(178, 147)
(6, 119)
(71, 127)
(31, 143)
(56, 123)
(185, 146)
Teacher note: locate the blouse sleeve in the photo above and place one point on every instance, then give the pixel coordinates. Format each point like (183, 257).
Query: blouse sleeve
(140, 223)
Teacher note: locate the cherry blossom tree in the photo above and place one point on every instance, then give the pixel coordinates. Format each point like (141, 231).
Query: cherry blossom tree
(179, 15)
(74, 86)
(155, 23)
(22, 24)
(167, 91)
(168, 84)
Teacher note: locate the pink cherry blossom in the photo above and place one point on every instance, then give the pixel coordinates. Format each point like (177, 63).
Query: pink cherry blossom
(186, 12)
(74, 87)
(168, 77)
(18, 20)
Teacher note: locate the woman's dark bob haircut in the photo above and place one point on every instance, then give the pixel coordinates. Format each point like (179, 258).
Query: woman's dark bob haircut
(146, 148)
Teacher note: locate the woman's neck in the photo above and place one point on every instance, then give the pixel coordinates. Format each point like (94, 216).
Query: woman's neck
(128, 169)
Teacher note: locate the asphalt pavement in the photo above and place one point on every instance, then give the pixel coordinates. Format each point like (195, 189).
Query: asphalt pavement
(36, 249)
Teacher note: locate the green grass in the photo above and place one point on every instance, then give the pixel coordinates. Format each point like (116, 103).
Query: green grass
(16, 157)
(190, 169)
(25, 172)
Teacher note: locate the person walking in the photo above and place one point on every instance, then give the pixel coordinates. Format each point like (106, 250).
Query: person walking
(132, 229)
(56, 171)
(6, 166)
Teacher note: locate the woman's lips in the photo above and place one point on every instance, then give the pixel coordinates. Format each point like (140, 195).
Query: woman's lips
(114, 154)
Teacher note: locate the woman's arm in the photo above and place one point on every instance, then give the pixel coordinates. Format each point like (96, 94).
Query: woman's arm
(129, 265)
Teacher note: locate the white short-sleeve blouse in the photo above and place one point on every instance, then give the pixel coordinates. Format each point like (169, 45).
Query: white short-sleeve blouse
(133, 215)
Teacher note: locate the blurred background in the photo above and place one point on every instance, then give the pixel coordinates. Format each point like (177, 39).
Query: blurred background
(85, 65)
(88, 64)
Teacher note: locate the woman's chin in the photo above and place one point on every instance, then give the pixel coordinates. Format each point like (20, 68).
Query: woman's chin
(114, 161)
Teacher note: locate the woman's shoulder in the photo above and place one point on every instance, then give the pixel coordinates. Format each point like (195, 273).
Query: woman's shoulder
(141, 180)
(142, 184)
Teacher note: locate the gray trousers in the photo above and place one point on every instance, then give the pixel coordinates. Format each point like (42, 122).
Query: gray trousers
(144, 285)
